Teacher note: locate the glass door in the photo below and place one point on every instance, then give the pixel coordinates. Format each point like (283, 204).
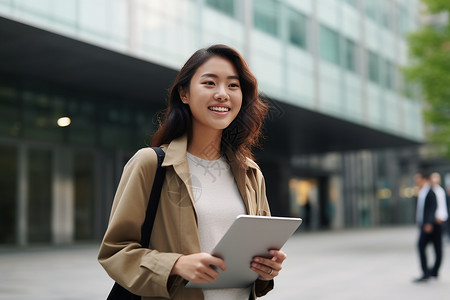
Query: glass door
(84, 177)
(39, 196)
(8, 192)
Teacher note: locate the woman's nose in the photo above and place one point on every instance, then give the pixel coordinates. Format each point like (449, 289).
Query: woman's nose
(221, 94)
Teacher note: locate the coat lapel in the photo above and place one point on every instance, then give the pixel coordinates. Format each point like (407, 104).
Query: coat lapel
(176, 157)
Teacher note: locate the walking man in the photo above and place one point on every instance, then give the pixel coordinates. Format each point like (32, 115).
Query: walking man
(430, 230)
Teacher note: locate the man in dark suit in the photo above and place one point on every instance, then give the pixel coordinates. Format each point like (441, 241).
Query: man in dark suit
(430, 230)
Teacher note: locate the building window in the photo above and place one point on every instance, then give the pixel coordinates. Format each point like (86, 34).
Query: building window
(353, 3)
(402, 14)
(39, 220)
(84, 198)
(9, 111)
(298, 29)
(372, 9)
(8, 186)
(350, 55)
(40, 114)
(266, 14)
(388, 75)
(374, 72)
(225, 6)
(329, 45)
(386, 15)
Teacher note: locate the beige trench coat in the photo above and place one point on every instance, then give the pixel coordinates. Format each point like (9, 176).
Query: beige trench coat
(145, 271)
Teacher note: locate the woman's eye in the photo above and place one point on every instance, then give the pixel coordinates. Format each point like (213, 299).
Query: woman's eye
(208, 82)
(234, 85)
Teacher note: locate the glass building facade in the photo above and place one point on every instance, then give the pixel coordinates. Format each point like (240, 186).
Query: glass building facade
(337, 94)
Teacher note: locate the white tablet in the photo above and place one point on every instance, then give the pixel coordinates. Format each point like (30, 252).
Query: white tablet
(248, 236)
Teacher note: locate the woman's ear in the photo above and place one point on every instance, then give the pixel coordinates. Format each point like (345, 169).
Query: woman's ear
(183, 95)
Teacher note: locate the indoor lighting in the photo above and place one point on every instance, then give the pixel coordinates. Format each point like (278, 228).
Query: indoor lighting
(63, 121)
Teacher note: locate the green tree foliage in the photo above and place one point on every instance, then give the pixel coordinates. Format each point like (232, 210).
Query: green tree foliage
(430, 67)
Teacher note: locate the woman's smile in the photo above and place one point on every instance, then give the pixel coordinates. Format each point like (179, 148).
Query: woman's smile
(215, 86)
(219, 109)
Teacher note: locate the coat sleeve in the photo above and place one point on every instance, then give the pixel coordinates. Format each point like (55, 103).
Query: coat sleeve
(141, 270)
(262, 287)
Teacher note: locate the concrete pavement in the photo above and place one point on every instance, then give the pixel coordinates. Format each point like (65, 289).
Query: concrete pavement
(350, 264)
(358, 264)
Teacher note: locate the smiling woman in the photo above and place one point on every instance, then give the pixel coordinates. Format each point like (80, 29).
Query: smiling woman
(214, 98)
(244, 131)
(213, 120)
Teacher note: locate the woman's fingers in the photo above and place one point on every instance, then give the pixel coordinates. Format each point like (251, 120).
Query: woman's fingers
(268, 268)
(278, 255)
(198, 268)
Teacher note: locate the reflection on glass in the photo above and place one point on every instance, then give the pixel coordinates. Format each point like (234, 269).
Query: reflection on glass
(39, 195)
(350, 55)
(83, 128)
(329, 45)
(8, 190)
(388, 74)
(372, 9)
(40, 115)
(374, 72)
(297, 28)
(225, 6)
(84, 196)
(9, 111)
(353, 3)
(115, 125)
(304, 201)
(266, 16)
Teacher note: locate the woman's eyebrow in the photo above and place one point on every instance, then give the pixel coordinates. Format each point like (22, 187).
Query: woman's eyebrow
(216, 76)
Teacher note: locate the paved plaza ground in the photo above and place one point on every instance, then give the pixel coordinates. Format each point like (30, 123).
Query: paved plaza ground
(333, 265)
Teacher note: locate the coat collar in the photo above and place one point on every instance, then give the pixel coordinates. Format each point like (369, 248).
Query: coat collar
(176, 154)
(175, 151)
(176, 157)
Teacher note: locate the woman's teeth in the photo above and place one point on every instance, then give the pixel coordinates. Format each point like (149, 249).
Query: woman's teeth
(217, 108)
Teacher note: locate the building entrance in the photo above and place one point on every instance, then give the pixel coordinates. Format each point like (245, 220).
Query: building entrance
(309, 200)
(48, 193)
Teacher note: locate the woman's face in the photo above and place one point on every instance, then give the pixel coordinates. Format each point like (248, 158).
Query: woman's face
(214, 95)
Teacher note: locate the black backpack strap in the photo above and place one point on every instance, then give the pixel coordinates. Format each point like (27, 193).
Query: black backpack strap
(153, 202)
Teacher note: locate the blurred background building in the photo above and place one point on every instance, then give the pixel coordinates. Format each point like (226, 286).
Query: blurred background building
(81, 82)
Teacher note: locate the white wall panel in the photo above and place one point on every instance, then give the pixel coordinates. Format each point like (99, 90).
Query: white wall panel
(229, 32)
(268, 71)
(330, 88)
(350, 22)
(391, 111)
(304, 6)
(388, 42)
(300, 58)
(413, 122)
(353, 100)
(327, 13)
(374, 105)
(403, 53)
(264, 43)
(372, 36)
(300, 85)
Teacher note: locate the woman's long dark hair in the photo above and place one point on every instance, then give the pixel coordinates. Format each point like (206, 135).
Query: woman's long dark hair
(245, 130)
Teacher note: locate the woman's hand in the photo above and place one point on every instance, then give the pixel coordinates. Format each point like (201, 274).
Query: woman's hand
(268, 268)
(198, 268)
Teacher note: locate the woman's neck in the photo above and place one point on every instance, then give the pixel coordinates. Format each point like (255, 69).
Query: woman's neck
(205, 145)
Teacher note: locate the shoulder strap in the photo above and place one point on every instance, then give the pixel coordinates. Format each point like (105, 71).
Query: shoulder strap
(153, 202)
